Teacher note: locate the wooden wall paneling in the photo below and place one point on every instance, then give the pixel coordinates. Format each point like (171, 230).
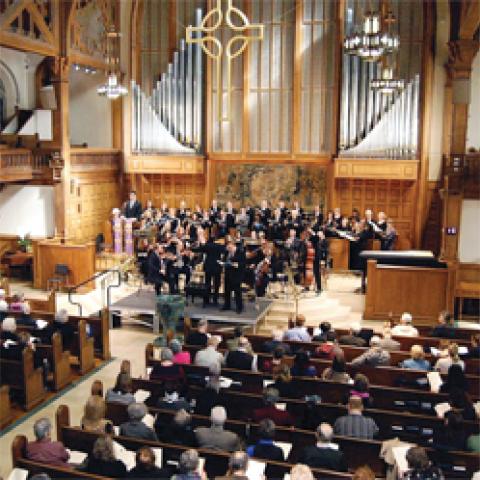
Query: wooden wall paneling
(432, 232)
(421, 291)
(425, 119)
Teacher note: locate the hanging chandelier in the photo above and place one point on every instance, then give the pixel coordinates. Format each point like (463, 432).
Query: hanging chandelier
(113, 88)
(387, 84)
(371, 43)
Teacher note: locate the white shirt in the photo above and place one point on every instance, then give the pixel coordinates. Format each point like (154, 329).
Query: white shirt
(405, 331)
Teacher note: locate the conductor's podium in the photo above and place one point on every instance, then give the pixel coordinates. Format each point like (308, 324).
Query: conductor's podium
(169, 311)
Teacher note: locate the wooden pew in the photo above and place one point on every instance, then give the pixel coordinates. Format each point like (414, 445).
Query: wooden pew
(385, 397)
(472, 366)
(407, 426)
(356, 450)
(215, 461)
(24, 379)
(390, 376)
(5, 406)
(48, 305)
(59, 361)
(81, 347)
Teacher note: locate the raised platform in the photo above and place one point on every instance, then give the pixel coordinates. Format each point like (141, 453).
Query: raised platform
(142, 304)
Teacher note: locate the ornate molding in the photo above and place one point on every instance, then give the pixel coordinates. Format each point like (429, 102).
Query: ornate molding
(359, 168)
(460, 58)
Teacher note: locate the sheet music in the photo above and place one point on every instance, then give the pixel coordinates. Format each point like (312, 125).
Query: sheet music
(267, 383)
(435, 381)
(76, 457)
(126, 456)
(158, 456)
(41, 324)
(225, 382)
(141, 395)
(281, 406)
(255, 470)
(286, 448)
(18, 474)
(148, 420)
(399, 454)
(442, 409)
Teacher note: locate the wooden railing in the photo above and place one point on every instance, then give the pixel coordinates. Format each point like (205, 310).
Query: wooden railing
(16, 164)
(86, 159)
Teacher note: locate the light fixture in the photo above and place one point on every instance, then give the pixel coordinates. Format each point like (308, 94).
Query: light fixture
(372, 43)
(387, 84)
(112, 89)
(76, 67)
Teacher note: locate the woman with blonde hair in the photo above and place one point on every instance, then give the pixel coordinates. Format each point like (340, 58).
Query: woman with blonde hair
(93, 419)
(417, 359)
(452, 358)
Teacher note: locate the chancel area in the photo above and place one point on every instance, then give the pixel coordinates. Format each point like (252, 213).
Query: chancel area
(239, 239)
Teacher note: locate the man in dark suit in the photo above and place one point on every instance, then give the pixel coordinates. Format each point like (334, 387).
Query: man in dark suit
(241, 358)
(132, 208)
(213, 270)
(157, 269)
(324, 454)
(320, 245)
(60, 324)
(235, 261)
(199, 336)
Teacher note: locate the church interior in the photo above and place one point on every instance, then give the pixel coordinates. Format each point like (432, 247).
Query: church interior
(239, 239)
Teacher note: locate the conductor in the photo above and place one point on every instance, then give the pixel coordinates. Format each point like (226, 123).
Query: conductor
(235, 261)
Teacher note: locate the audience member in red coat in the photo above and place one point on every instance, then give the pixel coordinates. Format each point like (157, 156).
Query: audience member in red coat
(43, 449)
(280, 417)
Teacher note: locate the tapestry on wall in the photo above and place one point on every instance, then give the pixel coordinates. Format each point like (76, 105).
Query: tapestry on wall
(250, 184)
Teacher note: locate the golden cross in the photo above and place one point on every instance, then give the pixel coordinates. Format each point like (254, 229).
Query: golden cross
(205, 34)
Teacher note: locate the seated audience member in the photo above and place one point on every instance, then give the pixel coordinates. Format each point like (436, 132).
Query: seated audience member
(179, 430)
(445, 327)
(179, 356)
(329, 348)
(240, 358)
(338, 371)
(420, 467)
(232, 343)
(171, 399)
(352, 338)
(97, 388)
(209, 396)
(93, 419)
(266, 449)
(325, 330)
(301, 365)
(215, 436)
(145, 466)
(324, 454)
(301, 472)
(209, 356)
(452, 435)
(9, 330)
(387, 342)
(405, 327)
(474, 351)
(273, 365)
(188, 466)
(16, 305)
(126, 367)
(135, 427)
(461, 403)
(122, 391)
(198, 336)
(167, 370)
(237, 467)
(281, 418)
(452, 358)
(473, 443)
(375, 356)
(283, 382)
(355, 424)
(417, 359)
(102, 460)
(455, 379)
(269, 346)
(360, 389)
(59, 324)
(43, 449)
(363, 473)
(25, 319)
(299, 332)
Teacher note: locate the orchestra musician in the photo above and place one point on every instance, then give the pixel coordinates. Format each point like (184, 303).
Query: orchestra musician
(320, 245)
